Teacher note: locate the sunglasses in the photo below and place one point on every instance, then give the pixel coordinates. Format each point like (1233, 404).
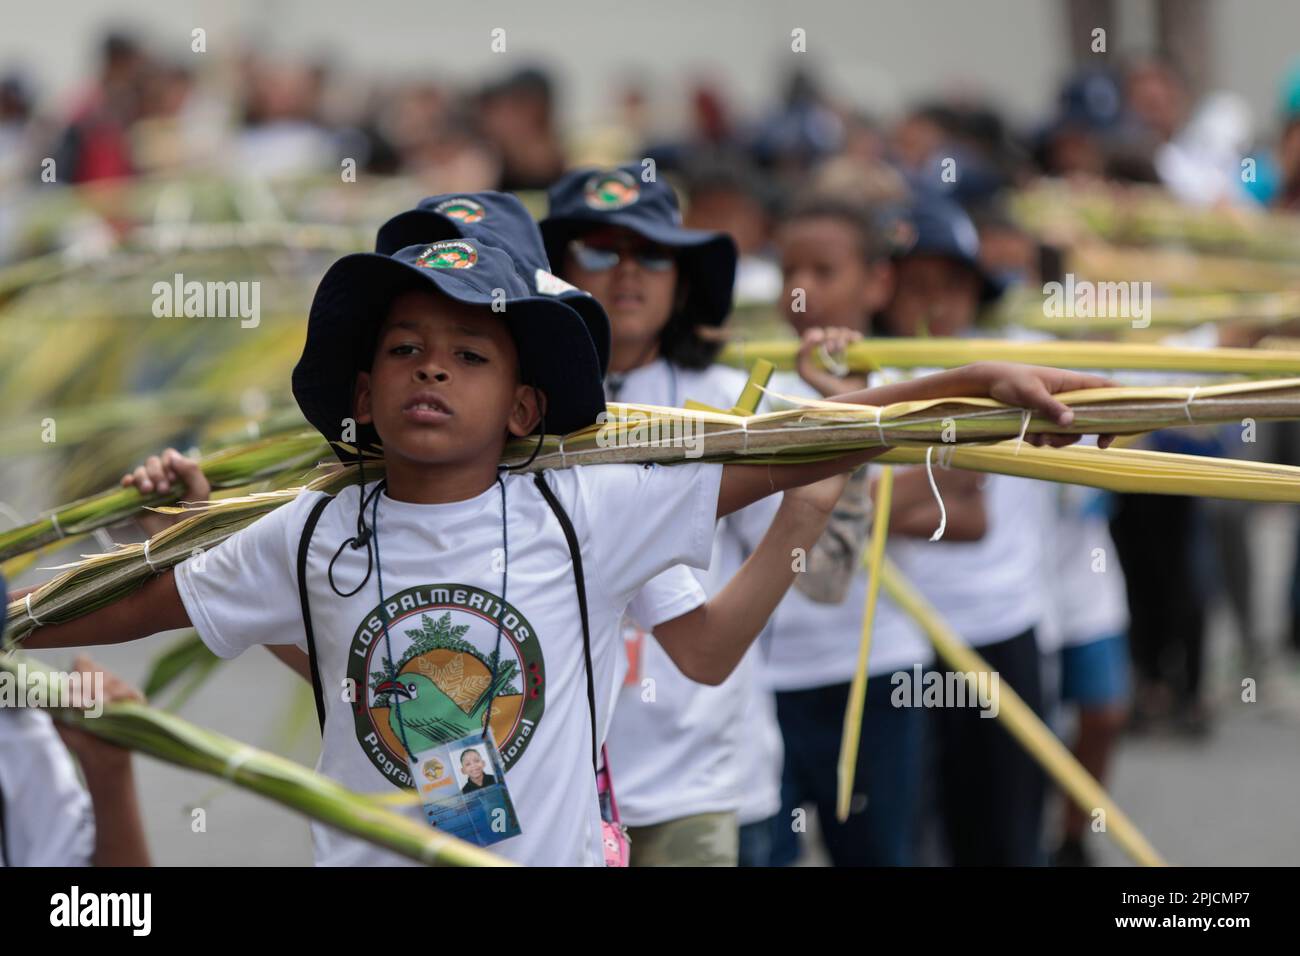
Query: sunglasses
(592, 259)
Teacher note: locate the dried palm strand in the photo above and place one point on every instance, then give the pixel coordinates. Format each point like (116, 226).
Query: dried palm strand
(1021, 722)
(173, 740)
(98, 580)
(819, 429)
(644, 433)
(1125, 470)
(871, 354)
(852, 732)
(226, 468)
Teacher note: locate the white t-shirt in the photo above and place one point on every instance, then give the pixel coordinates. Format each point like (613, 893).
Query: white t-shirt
(48, 818)
(762, 757)
(994, 588)
(442, 579)
(674, 744)
(991, 589)
(1085, 583)
(810, 644)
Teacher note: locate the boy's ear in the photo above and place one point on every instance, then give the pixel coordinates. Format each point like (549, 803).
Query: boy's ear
(361, 399)
(530, 405)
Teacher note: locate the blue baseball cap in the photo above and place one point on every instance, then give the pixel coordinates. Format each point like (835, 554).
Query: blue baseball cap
(590, 198)
(934, 226)
(555, 351)
(501, 220)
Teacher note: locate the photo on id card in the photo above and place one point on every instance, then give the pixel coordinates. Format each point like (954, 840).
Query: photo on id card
(462, 786)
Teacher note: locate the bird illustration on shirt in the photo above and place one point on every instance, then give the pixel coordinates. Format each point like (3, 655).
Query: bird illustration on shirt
(429, 716)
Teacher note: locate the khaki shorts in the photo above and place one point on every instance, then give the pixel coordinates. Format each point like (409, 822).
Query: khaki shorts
(705, 839)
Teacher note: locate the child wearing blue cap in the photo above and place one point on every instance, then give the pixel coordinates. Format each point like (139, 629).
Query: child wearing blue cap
(836, 271)
(991, 589)
(440, 597)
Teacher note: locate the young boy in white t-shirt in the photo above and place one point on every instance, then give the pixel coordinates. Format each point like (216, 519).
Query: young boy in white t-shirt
(445, 590)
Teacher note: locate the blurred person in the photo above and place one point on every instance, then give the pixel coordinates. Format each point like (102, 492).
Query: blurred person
(1088, 604)
(624, 130)
(18, 127)
(919, 137)
(24, 140)
(1007, 252)
(987, 587)
(96, 143)
(517, 116)
(859, 181)
(1287, 177)
(835, 252)
(863, 140)
(725, 194)
(1156, 99)
(282, 134)
(48, 815)
(802, 131)
(1087, 607)
(1201, 164)
(452, 158)
(182, 125)
(1279, 185)
(1074, 144)
(1158, 538)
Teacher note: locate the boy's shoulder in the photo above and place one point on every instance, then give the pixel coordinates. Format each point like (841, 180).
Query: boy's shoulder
(288, 521)
(615, 487)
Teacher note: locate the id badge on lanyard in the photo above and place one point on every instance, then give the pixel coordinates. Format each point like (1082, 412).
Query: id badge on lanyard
(462, 786)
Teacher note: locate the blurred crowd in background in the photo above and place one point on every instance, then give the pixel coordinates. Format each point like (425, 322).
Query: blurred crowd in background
(260, 115)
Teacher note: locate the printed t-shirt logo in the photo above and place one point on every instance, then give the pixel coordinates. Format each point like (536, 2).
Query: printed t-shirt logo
(612, 190)
(440, 678)
(461, 209)
(450, 254)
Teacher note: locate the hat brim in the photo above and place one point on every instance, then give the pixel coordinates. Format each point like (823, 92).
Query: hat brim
(413, 227)
(707, 259)
(556, 353)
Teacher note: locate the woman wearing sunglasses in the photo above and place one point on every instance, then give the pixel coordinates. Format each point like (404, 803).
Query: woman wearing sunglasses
(675, 746)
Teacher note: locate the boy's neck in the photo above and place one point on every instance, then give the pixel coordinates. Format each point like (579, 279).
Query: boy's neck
(423, 484)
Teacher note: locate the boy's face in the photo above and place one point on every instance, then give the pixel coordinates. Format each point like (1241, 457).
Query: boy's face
(472, 765)
(639, 301)
(824, 258)
(933, 295)
(444, 386)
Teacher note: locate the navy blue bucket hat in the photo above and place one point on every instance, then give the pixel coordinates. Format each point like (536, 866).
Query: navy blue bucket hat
(501, 220)
(555, 352)
(934, 226)
(590, 198)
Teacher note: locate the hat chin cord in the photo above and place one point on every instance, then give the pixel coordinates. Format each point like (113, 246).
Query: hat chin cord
(362, 538)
